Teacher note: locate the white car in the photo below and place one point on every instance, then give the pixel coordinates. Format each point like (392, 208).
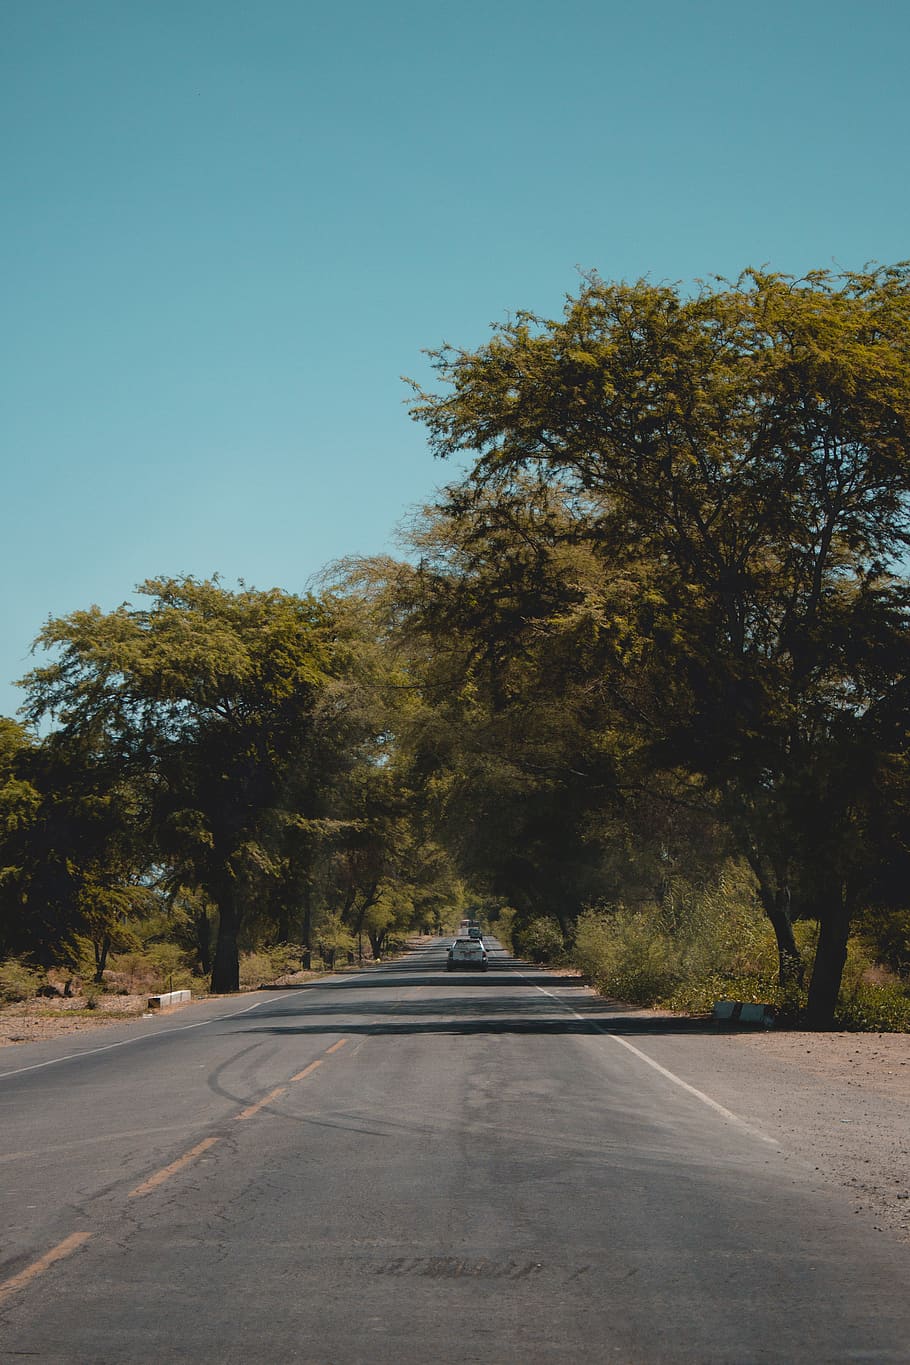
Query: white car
(467, 954)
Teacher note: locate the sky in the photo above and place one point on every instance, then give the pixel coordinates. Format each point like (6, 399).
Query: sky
(229, 228)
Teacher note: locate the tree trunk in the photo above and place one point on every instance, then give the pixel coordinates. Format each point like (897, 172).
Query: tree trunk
(101, 951)
(376, 942)
(791, 969)
(830, 956)
(203, 932)
(307, 930)
(775, 898)
(226, 966)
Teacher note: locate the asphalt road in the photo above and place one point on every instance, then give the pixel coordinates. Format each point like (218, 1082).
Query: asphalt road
(406, 1166)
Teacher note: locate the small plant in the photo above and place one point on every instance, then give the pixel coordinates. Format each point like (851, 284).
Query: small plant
(875, 1008)
(18, 981)
(255, 970)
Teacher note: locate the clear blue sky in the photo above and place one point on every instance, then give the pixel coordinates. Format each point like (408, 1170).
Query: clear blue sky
(230, 227)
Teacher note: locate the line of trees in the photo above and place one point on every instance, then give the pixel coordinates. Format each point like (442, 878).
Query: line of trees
(673, 586)
(222, 753)
(661, 621)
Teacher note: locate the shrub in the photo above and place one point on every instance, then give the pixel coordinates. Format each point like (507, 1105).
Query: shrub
(18, 981)
(871, 998)
(265, 965)
(255, 969)
(701, 943)
(875, 1008)
(159, 967)
(501, 926)
(540, 940)
(625, 956)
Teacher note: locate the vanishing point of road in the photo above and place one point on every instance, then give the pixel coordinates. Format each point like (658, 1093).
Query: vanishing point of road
(400, 1166)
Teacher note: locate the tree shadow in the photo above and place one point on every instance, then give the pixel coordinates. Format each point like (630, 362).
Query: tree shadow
(476, 1011)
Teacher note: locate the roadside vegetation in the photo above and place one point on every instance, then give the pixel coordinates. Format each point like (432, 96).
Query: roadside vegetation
(640, 676)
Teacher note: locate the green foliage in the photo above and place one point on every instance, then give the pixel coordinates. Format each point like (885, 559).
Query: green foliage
(701, 944)
(875, 1007)
(264, 965)
(624, 958)
(687, 963)
(19, 981)
(169, 962)
(885, 932)
(679, 555)
(215, 704)
(502, 922)
(540, 940)
(335, 936)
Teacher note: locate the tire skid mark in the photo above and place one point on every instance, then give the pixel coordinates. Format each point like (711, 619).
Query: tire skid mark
(77, 1239)
(167, 1171)
(455, 1268)
(261, 1104)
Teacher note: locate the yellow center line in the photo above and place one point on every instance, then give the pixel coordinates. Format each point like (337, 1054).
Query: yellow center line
(167, 1171)
(280, 1089)
(307, 1071)
(260, 1104)
(78, 1239)
(31, 1272)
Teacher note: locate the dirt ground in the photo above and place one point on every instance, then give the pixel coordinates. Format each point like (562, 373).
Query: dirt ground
(839, 1102)
(37, 1020)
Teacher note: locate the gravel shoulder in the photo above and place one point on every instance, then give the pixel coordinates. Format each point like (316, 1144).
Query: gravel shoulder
(838, 1102)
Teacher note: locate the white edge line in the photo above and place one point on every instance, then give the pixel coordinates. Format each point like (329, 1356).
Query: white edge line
(670, 1076)
(142, 1038)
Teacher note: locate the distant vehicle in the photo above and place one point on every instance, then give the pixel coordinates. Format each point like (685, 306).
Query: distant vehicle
(467, 954)
(475, 931)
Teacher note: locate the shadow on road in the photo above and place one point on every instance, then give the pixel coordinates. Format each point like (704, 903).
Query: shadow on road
(433, 972)
(514, 1023)
(464, 1009)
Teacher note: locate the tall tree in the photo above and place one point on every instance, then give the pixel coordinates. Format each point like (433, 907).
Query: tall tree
(741, 457)
(216, 701)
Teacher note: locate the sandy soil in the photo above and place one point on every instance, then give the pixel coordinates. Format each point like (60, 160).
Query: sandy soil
(839, 1102)
(39, 1019)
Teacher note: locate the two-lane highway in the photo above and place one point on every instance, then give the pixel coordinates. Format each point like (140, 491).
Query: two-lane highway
(403, 1165)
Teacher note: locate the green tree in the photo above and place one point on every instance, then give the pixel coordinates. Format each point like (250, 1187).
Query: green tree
(75, 862)
(19, 804)
(520, 740)
(216, 701)
(739, 461)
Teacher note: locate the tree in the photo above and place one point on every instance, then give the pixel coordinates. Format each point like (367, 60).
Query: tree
(740, 461)
(19, 803)
(216, 702)
(520, 742)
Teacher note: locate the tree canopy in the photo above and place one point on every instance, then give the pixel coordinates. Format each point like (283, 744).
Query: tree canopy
(736, 466)
(214, 701)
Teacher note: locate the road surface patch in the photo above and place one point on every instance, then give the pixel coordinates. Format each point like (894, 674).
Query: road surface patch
(167, 1171)
(662, 1070)
(31, 1272)
(261, 1104)
(307, 1071)
(456, 1268)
